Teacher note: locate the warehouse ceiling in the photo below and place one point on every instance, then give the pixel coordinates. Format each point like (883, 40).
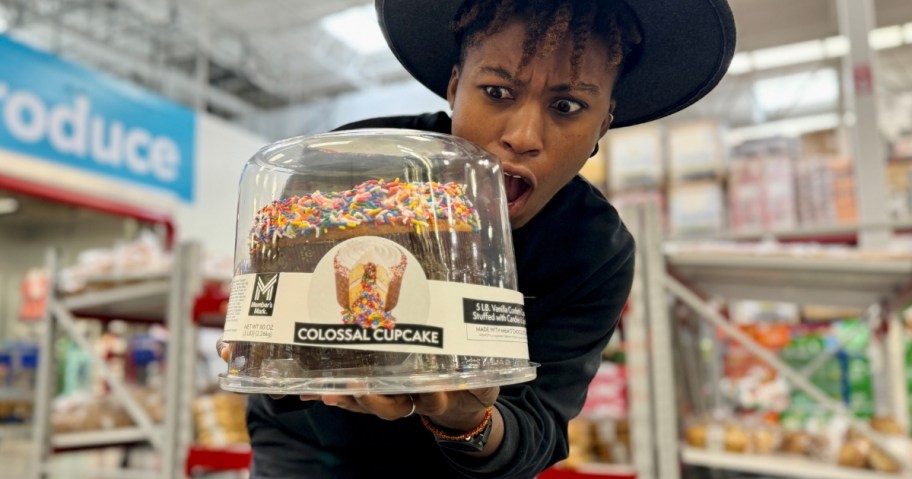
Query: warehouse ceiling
(236, 57)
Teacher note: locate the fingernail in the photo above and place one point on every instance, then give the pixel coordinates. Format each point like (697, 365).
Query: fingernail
(309, 397)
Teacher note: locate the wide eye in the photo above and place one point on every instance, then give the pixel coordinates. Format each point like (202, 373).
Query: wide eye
(498, 92)
(567, 106)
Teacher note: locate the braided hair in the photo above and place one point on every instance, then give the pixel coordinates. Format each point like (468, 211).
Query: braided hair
(549, 22)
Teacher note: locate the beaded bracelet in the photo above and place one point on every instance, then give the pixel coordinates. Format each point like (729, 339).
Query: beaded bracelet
(462, 437)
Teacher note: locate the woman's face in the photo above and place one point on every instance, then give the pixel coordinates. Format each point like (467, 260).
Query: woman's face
(541, 126)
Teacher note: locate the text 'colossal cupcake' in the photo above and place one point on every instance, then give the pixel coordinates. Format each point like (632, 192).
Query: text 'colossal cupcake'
(374, 261)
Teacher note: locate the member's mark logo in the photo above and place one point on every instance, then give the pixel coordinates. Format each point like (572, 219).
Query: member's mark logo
(264, 293)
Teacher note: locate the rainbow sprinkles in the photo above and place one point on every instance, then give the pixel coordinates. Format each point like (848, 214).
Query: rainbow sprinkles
(417, 205)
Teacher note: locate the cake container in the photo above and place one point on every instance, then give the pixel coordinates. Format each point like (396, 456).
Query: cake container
(373, 261)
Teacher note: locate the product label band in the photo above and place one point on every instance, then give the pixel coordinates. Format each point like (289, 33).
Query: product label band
(309, 333)
(493, 313)
(369, 293)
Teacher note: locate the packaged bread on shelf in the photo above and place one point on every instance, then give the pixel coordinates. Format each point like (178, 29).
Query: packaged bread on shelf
(581, 447)
(219, 419)
(612, 440)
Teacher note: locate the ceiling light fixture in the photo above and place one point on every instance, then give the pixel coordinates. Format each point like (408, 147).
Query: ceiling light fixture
(816, 50)
(356, 27)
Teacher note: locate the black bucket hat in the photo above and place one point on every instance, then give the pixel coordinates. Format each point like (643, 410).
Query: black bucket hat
(686, 49)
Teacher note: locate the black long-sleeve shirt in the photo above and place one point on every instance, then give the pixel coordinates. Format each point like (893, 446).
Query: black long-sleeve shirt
(575, 268)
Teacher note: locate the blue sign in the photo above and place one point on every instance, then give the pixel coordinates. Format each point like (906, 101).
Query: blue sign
(57, 111)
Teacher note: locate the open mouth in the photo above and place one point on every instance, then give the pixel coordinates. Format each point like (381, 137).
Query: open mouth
(515, 187)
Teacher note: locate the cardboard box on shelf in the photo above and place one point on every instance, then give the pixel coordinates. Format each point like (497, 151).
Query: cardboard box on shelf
(696, 150)
(826, 191)
(746, 195)
(696, 208)
(761, 194)
(636, 157)
(829, 142)
(780, 205)
(901, 147)
(844, 191)
(899, 194)
(625, 200)
(762, 185)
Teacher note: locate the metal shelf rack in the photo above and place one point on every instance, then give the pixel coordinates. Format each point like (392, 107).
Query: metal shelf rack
(781, 465)
(178, 301)
(880, 285)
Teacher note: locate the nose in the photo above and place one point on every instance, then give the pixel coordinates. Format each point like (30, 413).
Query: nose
(524, 131)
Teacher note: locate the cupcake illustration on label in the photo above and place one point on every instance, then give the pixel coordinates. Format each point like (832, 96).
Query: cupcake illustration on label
(368, 282)
(369, 292)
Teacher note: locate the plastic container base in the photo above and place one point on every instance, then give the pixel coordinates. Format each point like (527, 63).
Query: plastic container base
(365, 384)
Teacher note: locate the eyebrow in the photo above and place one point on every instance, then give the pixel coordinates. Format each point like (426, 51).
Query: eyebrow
(504, 74)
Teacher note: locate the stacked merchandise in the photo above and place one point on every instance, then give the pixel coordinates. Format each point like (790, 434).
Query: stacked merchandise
(680, 167)
(132, 354)
(832, 443)
(763, 415)
(636, 168)
(18, 364)
(133, 348)
(899, 173)
(761, 186)
(846, 376)
(909, 373)
(139, 260)
(87, 412)
(775, 184)
(697, 160)
(597, 440)
(219, 420)
(103, 268)
(601, 433)
(896, 125)
(825, 181)
(778, 184)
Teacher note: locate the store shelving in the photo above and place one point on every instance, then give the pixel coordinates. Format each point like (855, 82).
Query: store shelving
(136, 299)
(101, 438)
(849, 280)
(15, 395)
(780, 465)
(699, 277)
(181, 303)
(14, 431)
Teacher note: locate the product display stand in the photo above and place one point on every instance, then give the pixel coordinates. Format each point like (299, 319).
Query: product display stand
(150, 300)
(850, 280)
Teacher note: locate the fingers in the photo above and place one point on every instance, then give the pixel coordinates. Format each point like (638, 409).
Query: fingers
(485, 396)
(414, 407)
(223, 348)
(388, 407)
(450, 406)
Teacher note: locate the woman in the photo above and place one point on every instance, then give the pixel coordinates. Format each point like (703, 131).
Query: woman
(537, 83)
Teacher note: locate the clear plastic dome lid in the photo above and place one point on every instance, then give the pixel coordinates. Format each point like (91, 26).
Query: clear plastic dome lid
(374, 261)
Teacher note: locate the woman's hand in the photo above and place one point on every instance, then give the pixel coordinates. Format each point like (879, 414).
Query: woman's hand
(223, 348)
(457, 410)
